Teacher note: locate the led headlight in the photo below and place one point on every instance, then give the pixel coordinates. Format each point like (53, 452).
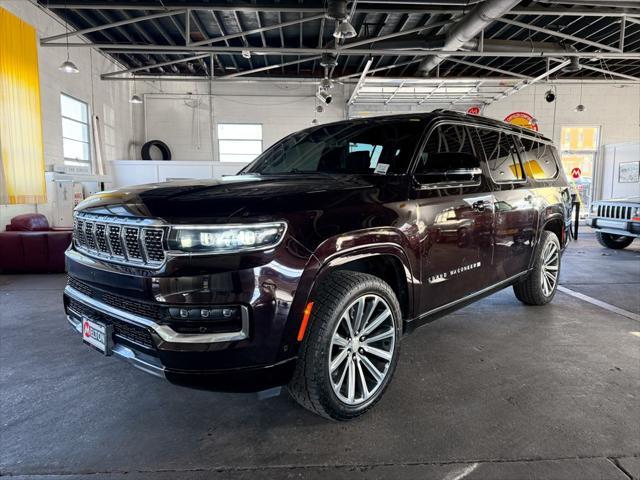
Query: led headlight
(226, 238)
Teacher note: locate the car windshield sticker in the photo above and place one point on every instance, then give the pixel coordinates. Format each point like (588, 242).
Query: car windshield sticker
(381, 168)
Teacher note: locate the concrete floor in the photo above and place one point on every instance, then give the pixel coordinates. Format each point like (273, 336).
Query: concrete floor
(495, 391)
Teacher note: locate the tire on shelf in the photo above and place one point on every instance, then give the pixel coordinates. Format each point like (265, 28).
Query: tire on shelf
(160, 145)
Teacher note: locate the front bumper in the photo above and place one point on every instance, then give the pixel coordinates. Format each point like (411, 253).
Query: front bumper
(259, 353)
(626, 228)
(244, 379)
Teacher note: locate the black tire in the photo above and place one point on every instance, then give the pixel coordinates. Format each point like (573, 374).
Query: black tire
(311, 385)
(617, 242)
(163, 147)
(530, 291)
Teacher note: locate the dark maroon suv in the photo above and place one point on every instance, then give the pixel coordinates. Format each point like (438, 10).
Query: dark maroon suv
(308, 267)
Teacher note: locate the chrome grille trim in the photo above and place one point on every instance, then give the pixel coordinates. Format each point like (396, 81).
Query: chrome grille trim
(122, 240)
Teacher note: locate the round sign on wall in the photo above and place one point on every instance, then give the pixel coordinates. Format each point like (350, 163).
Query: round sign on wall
(576, 173)
(522, 119)
(473, 110)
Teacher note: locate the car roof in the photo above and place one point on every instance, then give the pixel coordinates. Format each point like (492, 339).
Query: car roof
(451, 115)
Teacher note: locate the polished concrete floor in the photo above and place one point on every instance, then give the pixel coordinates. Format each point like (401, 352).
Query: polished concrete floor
(495, 391)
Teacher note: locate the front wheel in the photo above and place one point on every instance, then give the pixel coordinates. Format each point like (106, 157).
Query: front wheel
(351, 348)
(540, 285)
(617, 242)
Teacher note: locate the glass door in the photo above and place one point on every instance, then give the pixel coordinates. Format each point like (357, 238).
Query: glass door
(578, 149)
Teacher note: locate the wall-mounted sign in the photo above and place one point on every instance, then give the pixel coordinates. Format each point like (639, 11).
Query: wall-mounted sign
(473, 110)
(576, 173)
(522, 119)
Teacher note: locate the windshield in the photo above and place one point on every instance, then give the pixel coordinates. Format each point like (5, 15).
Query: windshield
(359, 147)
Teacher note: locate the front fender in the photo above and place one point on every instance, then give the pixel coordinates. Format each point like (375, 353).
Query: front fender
(342, 249)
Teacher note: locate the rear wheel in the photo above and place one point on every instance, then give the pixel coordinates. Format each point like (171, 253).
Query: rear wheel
(351, 348)
(540, 285)
(616, 242)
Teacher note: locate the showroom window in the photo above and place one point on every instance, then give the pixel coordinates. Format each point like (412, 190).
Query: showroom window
(578, 148)
(75, 134)
(239, 142)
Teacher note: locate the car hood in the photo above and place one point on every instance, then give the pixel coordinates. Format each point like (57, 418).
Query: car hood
(235, 197)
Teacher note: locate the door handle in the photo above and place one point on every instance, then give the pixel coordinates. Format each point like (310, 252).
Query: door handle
(479, 206)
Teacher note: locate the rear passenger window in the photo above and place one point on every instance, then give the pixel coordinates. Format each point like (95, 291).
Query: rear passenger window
(501, 154)
(538, 160)
(449, 147)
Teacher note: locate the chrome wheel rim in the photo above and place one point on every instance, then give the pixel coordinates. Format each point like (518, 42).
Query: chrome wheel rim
(362, 347)
(550, 268)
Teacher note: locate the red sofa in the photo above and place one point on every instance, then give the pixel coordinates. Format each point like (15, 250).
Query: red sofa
(30, 246)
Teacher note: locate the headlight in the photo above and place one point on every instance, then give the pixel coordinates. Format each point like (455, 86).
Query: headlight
(226, 238)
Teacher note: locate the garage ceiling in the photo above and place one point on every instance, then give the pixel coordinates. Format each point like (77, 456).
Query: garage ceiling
(193, 39)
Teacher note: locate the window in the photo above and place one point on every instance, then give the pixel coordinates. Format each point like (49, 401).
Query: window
(449, 147)
(239, 142)
(502, 159)
(75, 133)
(362, 147)
(538, 159)
(579, 146)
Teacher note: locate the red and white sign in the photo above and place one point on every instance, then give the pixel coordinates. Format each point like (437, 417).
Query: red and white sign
(576, 173)
(473, 111)
(522, 119)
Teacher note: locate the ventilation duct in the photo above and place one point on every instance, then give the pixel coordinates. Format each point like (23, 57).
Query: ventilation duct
(480, 17)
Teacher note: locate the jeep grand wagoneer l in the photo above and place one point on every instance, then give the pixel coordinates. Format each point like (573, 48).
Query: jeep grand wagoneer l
(308, 267)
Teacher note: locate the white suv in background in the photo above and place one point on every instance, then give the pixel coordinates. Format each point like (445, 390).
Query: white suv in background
(616, 221)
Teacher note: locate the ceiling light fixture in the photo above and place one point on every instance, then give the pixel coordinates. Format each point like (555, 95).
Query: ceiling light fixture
(344, 30)
(67, 66)
(135, 98)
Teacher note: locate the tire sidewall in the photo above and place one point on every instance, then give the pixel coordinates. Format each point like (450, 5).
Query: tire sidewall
(326, 394)
(548, 237)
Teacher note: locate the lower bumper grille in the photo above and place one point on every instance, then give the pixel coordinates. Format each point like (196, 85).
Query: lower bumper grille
(123, 330)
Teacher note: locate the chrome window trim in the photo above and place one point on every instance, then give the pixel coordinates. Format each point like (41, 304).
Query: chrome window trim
(165, 332)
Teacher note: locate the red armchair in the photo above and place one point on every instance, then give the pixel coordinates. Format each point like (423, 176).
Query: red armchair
(30, 246)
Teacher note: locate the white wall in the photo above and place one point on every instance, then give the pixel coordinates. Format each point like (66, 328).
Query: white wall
(184, 121)
(108, 100)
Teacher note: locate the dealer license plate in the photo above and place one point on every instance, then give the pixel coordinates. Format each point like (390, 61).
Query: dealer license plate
(97, 335)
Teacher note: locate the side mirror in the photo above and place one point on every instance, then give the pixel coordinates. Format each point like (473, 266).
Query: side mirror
(454, 178)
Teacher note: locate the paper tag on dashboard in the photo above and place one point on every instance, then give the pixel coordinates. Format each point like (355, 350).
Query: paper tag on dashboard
(381, 168)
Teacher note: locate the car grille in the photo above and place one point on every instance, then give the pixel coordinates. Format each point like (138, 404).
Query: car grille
(615, 211)
(134, 306)
(123, 330)
(120, 240)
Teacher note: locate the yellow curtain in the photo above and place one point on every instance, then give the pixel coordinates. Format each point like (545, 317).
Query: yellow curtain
(21, 146)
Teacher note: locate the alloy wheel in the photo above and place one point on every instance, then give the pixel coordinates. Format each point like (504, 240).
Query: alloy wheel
(362, 348)
(550, 268)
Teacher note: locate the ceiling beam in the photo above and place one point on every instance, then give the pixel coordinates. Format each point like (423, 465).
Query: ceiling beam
(153, 65)
(269, 67)
(256, 30)
(360, 83)
(120, 23)
(486, 67)
(363, 7)
(554, 33)
(177, 49)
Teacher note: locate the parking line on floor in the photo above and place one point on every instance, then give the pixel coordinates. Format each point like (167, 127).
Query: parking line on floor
(600, 303)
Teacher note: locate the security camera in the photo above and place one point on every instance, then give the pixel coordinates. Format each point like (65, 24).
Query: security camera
(324, 96)
(550, 96)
